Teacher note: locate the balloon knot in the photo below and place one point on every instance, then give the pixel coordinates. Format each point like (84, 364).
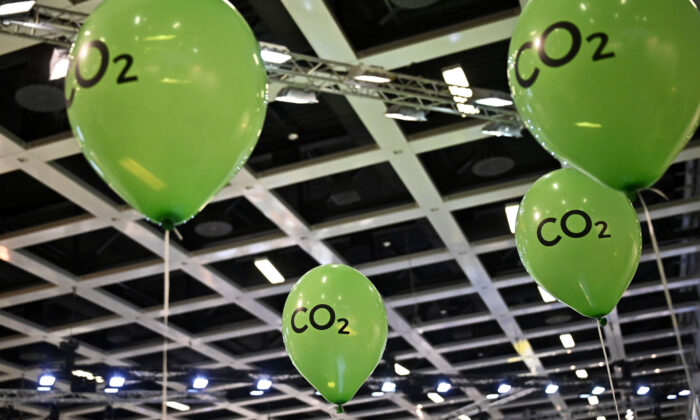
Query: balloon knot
(167, 224)
(340, 409)
(603, 321)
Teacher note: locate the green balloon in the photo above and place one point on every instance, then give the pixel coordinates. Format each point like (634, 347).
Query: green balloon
(579, 240)
(334, 327)
(608, 85)
(167, 99)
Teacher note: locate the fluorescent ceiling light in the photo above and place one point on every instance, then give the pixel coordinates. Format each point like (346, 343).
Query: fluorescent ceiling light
(296, 96)
(551, 389)
(464, 417)
(377, 394)
(200, 382)
(47, 380)
(99, 379)
(59, 64)
(491, 396)
(444, 387)
(684, 393)
(504, 388)
(264, 384)
(435, 397)
(671, 396)
(401, 370)
(600, 418)
(593, 400)
(43, 388)
(582, 374)
(273, 53)
(467, 109)
(511, 215)
(403, 113)
(494, 102)
(548, 298)
(116, 381)
(256, 393)
(16, 8)
(388, 387)
(597, 390)
(111, 390)
(178, 406)
(370, 74)
(270, 272)
(567, 340)
(643, 390)
(463, 93)
(455, 76)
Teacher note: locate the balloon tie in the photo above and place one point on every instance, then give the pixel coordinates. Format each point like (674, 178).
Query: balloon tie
(166, 309)
(667, 295)
(607, 366)
(340, 409)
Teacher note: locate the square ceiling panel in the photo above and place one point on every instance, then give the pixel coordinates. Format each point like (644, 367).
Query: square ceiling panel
(120, 338)
(183, 358)
(461, 333)
(487, 221)
(346, 194)
(487, 162)
(204, 320)
(27, 202)
(31, 355)
(369, 23)
(387, 242)
(444, 309)
(14, 279)
(250, 344)
(58, 311)
(417, 279)
(502, 263)
(79, 168)
(93, 251)
(296, 133)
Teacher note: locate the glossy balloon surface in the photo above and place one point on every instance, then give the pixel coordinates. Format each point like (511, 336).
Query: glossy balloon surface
(580, 240)
(335, 327)
(167, 99)
(609, 86)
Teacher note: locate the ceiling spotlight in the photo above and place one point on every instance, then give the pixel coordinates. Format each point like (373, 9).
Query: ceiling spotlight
(502, 129)
(269, 271)
(593, 400)
(264, 384)
(567, 340)
(200, 382)
(582, 374)
(684, 393)
(47, 379)
(256, 393)
(59, 64)
(504, 388)
(511, 215)
(16, 8)
(293, 136)
(597, 390)
(377, 394)
(275, 54)
(444, 387)
(435, 397)
(492, 396)
(388, 387)
(643, 390)
(551, 389)
(43, 388)
(111, 390)
(600, 418)
(116, 381)
(178, 406)
(371, 74)
(401, 370)
(464, 417)
(671, 396)
(296, 96)
(584, 396)
(403, 113)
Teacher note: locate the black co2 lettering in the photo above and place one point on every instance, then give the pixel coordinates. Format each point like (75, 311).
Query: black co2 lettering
(313, 322)
(554, 62)
(87, 83)
(564, 225)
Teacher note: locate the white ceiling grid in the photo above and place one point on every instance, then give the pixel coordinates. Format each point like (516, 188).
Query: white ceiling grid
(323, 33)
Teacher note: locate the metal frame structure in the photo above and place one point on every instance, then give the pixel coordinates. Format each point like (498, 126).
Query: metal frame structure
(392, 146)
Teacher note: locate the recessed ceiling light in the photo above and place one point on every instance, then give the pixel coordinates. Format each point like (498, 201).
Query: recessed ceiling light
(567, 340)
(435, 397)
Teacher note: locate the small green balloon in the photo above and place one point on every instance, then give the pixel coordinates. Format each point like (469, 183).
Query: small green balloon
(334, 327)
(608, 85)
(167, 99)
(580, 240)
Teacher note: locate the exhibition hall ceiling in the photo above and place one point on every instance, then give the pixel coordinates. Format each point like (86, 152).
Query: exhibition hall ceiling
(419, 207)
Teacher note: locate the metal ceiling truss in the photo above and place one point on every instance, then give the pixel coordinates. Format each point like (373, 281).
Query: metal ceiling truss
(393, 147)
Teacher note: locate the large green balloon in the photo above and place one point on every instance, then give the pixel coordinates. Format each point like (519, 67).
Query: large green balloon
(334, 328)
(609, 86)
(579, 240)
(167, 99)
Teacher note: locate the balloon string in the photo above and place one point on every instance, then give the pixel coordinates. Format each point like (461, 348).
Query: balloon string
(667, 295)
(607, 366)
(166, 309)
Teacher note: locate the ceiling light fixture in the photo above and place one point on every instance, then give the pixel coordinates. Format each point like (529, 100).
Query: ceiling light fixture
(264, 384)
(178, 406)
(492, 396)
(275, 54)
(116, 381)
(59, 64)
(401, 370)
(200, 382)
(435, 397)
(444, 387)
(503, 129)
(47, 379)
(671, 396)
(111, 390)
(600, 418)
(684, 393)
(511, 215)
(551, 389)
(296, 96)
(455, 76)
(256, 393)
(269, 271)
(388, 387)
(597, 390)
(377, 394)
(397, 112)
(548, 298)
(464, 417)
(43, 388)
(468, 109)
(16, 8)
(593, 400)
(643, 390)
(494, 102)
(370, 74)
(504, 388)
(567, 340)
